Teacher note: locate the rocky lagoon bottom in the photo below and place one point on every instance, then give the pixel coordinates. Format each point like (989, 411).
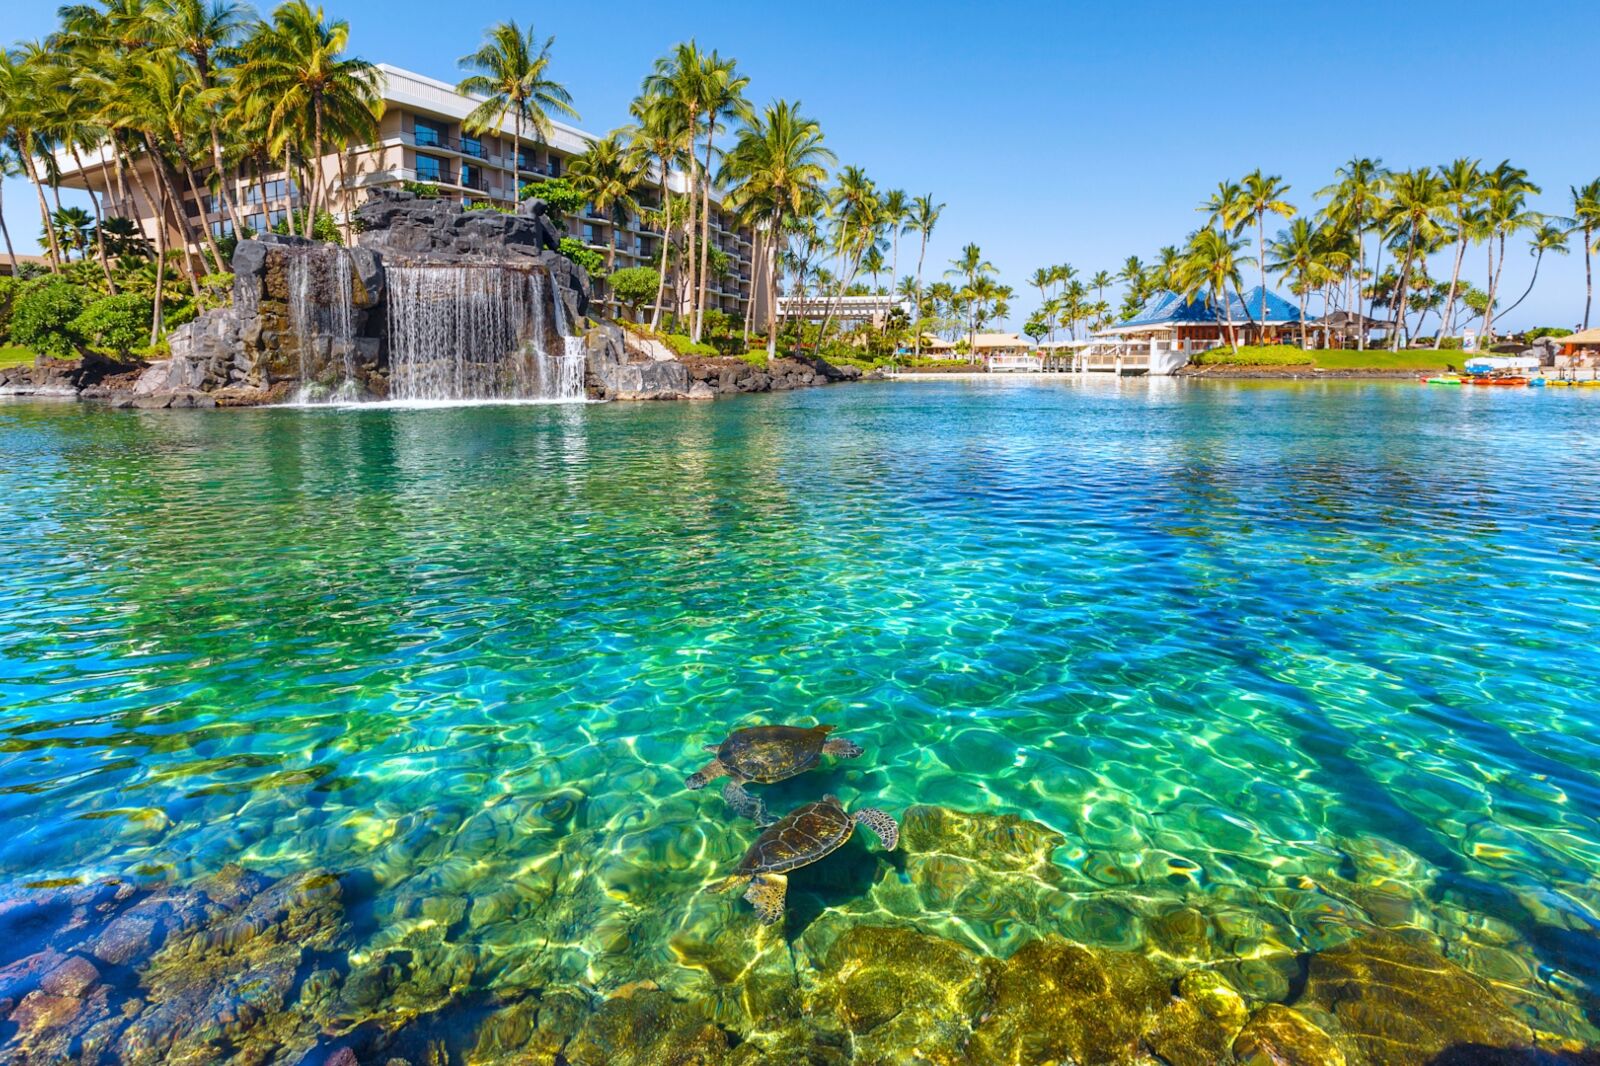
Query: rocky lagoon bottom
(1239, 722)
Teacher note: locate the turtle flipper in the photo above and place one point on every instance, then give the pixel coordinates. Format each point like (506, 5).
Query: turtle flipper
(744, 804)
(766, 894)
(880, 823)
(705, 775)
(845, 749)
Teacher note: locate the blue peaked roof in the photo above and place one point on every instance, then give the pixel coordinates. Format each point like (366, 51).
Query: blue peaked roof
(1170, 309)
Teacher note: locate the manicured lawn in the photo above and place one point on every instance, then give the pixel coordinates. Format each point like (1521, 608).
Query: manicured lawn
(1403, 360)
(14, 356)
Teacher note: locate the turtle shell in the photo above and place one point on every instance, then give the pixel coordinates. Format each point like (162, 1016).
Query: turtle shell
(803, 836)
(773, 752)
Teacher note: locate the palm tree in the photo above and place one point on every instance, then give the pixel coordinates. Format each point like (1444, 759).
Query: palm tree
(1416, 203)
(313, 94)
(1549, 237)
(512, 75)
(1463, 188)
(975, 271)
(857, 226)
(1212, 263)
(676, 85)
(608, 174)
(776, 169)
(22, 107)
(1586, 217)
(659, 138)
(1295, 255)
(1263, 194)
(200, 30)
(1506, 197)
(1354, 202)
(923, 217)
(74, 230)
(723, 98)
(1099, 282)
(894, 211)
(9, 167)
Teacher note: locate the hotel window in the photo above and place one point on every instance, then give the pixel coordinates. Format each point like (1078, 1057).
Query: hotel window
(222, 228)
(429, 168)
(525, 161)
(471, 146)
(430, 135)
(553, 167)
(588, 235)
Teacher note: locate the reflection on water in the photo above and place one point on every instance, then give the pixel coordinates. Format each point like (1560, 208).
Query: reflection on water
(1218, 675)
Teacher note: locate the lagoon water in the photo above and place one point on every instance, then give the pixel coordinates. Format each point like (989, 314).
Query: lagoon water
(1280, 663)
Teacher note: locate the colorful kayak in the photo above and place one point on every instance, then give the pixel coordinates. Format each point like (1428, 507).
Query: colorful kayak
(1443, 379)
(1496, 381)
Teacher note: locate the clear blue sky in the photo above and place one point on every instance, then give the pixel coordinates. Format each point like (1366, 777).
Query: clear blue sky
(1081, 132)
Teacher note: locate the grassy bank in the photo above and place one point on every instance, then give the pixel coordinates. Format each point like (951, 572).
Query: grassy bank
(11, 355)
(1283, 355)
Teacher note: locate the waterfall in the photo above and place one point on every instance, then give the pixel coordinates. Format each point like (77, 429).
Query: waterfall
(321, 305)
(477, 332)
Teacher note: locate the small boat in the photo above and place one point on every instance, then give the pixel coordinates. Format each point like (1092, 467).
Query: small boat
(1485, 379)
(1537, 383)
(1443, 379)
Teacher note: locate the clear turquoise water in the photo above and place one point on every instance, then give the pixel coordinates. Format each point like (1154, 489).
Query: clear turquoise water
(1301, 658)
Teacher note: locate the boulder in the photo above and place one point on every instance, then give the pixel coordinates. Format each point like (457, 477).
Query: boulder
(701, 391)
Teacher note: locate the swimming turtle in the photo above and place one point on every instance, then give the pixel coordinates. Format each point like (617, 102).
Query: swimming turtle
(766, 753)
(800, 838)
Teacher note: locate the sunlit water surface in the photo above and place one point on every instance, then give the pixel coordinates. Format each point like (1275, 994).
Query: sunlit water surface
(1302, 658)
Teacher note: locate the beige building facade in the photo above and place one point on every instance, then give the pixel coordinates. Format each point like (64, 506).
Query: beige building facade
(421, 139)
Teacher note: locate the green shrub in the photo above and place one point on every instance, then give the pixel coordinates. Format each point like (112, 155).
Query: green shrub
(119, 323)
(634, 286)
(591, 261)
(680, 343)
(325, 229)
(559, 193)
(428, 190)
(1256, 355)
(487, 205)
(9, 288)
(43, 314)
(1547, 331)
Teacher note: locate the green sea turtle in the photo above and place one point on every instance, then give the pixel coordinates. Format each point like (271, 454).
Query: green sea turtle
(800, 838)
(766, 753)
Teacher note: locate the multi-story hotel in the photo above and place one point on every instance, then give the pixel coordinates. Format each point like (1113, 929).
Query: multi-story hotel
(421, 139)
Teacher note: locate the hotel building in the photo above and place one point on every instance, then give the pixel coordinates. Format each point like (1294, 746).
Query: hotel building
(421, 139)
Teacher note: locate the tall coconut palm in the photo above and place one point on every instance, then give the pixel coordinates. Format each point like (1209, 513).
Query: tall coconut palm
(609, 175)
(1296, 255)
(1462, 190)
(1586, 218)
(857, 226)
(1549, 237)
(1506, 193)
(23, 108)
(1211, 263)
(9, 167)
(676, 84)
(1416, 204)
(201, 31)
(774, 170)
(1261, 195)
(723, 88)
(313, 93)
(1098, 283)
(976, 273)
(923, 217)
(894, 209)
(660, 136)
(1354, 200)
(512, 74)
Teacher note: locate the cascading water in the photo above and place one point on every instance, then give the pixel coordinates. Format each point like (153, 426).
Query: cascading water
(322, 305)
(477, 332)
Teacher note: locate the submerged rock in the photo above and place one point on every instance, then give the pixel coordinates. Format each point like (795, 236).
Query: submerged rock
(1281, 1036)
(1401, 1004)
(648, 1027)
(1059, 1001)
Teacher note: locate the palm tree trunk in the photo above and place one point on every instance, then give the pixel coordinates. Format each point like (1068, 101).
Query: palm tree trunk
(1400, 299)
(205, 215)
(705, 233)
(1448, 316)
(161, 270)
(222, 182)
(1494, 284)
(24, 139)
(99, 220)
(1537, 259)
(772, 286)
(1588, 277)
(666, 248)
(315, 173)
(11, 253)
(1261, 250)
(922, 252)
(345, 208)
(174, 203)
(1358, 304)
(687, 261)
